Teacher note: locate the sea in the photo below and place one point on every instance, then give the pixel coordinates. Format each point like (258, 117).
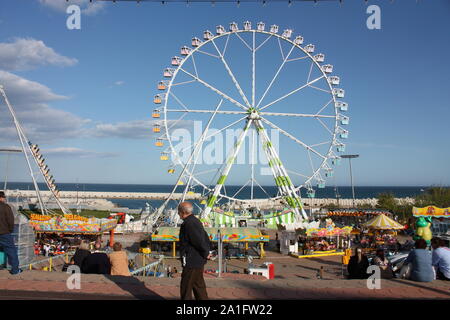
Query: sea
(344, 192)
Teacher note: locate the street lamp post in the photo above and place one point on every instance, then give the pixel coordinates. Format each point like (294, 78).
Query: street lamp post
(350, 157)
(7, 163)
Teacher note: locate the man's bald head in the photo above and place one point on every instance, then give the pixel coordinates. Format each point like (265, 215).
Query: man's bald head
(185, 209)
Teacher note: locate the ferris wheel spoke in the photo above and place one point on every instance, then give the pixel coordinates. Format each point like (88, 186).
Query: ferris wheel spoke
(214, 89)
(253, 71)
(291, 93)
(275, 77)
(181, 83)
(297, 174)
(206, 111)
(197, 149)
(320, 89)
(325, 126)
(194, 64)
(262, 188)
(226, 45)
(310, 71)
(281, 49)
(239, 191)
(207, 53)
(178, 100)
(302, 115)
(311, 162)
(326, 105)
(293, 138)
(263, 43)
(233, 78)
(321, 144)
(217, 132)
(245, 42)
(175, 123)
(295, 59)
(205, 172)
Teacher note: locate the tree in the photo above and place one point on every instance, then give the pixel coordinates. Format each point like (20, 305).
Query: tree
(386, 201)
(436, 196)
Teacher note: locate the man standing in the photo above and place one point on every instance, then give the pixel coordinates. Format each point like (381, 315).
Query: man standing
(6, 238)
(195, 249)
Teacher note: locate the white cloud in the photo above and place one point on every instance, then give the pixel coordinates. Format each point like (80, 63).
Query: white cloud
(25, 54)
(87, 7)
(41, 122)
(137, 129)
(119, 83)
(77, 152)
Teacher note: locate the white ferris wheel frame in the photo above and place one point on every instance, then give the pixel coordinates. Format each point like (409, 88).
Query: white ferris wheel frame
(248, 105)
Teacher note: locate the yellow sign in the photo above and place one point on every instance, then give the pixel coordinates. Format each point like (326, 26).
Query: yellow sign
(75, 217)
(431, 211)
(40, 217)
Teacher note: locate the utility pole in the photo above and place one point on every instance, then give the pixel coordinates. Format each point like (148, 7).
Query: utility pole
(350, 157)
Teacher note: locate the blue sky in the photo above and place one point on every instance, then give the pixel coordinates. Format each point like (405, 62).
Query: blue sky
(85, 95)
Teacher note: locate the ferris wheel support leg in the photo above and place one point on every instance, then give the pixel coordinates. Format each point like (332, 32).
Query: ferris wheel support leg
(22, 139)
(193, 153)
(281, 176)
(224, 174)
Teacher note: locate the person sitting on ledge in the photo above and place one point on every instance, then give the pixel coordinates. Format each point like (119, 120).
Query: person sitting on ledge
(119, 261)
(441, 259)
(97, 262)
(420, 260)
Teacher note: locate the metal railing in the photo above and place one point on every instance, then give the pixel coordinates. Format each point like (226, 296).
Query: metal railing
(151, 269)
(49, 261)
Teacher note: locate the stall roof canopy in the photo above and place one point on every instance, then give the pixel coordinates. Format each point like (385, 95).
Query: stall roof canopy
(384, 223)
(431, 211)
(229, 234)
(356, 212)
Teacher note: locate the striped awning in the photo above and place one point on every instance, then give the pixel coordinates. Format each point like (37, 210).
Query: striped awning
(383, 222)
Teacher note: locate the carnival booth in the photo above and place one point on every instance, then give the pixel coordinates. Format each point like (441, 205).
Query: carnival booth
(238, 242)
(431, 220)
(54, 233)
(328, 241)
(382, 233)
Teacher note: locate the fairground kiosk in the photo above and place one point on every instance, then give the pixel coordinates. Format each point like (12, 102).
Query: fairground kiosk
(238, 242)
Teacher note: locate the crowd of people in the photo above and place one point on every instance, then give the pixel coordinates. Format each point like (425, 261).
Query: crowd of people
(51, 247)
(97, 261)
(422, 264)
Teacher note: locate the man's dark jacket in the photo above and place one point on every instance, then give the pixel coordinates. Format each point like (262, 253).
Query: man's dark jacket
(6, 219)
(97, 263)
(194, 243)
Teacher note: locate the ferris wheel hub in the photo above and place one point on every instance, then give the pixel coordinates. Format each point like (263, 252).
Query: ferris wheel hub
(253, 114)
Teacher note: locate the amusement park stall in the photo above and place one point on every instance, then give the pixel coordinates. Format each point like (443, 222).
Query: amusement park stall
(316, 242)
(231, 236)
(71, 224)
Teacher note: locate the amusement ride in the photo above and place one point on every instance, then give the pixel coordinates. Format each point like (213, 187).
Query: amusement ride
(255, 81)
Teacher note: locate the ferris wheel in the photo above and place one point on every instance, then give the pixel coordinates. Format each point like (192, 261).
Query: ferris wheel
(273, 94)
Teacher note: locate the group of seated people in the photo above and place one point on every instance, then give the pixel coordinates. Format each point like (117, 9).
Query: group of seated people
(99, 262)
(50, 247)
(422, 264)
